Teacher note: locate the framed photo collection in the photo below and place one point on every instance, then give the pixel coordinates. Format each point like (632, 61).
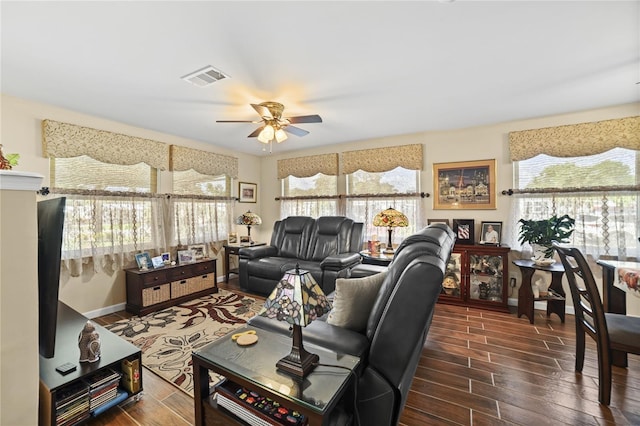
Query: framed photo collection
(464, 230)
(491, 233)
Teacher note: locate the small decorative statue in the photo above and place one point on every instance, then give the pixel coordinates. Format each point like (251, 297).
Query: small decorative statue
(89, 343)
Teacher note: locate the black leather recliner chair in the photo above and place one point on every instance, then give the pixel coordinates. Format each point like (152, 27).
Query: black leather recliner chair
(328, 247)
(396, 331)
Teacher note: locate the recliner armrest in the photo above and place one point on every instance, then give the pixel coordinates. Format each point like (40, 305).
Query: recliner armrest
(341, 261)
(257, 252)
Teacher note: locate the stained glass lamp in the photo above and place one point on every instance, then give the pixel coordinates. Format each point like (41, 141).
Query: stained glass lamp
(249, 218)
(391, 218)
(298, 300)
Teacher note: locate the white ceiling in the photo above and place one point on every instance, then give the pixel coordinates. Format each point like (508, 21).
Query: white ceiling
(368, 68)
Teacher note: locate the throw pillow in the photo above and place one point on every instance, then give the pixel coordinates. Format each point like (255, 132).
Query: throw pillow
(353, 301)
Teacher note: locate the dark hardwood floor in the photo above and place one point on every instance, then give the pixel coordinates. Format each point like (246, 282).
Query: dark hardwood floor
(477, 368)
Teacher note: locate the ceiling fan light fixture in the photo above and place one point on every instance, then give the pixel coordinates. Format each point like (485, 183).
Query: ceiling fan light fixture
(281, 136)
(262, 138)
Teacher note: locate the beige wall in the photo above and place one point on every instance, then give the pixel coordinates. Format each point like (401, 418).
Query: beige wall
(18, 301)
(21, 133)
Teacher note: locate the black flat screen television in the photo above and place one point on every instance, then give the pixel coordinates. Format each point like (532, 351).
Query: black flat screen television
(50, 226)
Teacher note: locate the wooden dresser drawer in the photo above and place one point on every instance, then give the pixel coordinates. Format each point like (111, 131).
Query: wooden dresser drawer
(151, 278)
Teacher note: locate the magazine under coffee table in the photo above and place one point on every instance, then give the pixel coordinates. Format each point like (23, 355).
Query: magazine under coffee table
(253, 368)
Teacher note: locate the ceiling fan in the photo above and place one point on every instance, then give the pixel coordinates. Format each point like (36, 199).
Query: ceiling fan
(274, 125)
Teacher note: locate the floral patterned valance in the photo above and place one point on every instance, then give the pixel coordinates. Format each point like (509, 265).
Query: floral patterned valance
(308, 166)
(205, 162)
(64, 140)
(576, 140)
(383, 159)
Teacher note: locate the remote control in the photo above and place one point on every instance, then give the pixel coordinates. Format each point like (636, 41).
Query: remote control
(66, 368)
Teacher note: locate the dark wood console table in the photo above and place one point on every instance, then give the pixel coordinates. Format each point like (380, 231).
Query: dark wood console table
(556, 303)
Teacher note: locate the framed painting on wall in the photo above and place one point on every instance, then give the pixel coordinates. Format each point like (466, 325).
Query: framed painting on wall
(247, 192)
(467, 185)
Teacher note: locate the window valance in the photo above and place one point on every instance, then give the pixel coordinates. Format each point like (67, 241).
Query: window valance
(383, 159)
(308, 166)
(64, 140)
(576, 140)
(205, 162)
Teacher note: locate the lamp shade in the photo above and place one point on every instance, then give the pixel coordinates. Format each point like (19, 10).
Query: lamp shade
(391, 218)
(249, 218)
(296, 299)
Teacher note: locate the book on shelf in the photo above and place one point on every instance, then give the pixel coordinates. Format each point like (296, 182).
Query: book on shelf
(131, 375)
(70, 393)
(101, 377)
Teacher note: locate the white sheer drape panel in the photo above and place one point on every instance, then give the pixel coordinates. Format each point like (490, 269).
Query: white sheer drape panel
(198, 221)
(108, 231)
(364, 209)
(606, 223)
(315, 207)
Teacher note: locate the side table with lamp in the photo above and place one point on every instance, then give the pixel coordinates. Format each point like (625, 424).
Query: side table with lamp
(248, 219)
(390, 218)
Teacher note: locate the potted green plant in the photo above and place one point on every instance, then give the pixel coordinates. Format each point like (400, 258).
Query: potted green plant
(541, 233)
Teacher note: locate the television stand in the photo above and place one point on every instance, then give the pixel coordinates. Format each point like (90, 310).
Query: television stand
(55, 388)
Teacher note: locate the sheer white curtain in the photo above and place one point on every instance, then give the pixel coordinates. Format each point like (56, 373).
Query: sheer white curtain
(315, 207)
(366, 208)
(106, 231)
(606, 223)
(197, 220)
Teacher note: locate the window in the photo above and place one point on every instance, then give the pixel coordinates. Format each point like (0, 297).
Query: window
(600, 191)
(192, 182)
(313, 196)
(371, 192)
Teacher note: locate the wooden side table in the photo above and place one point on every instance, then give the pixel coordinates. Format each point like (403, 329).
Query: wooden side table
(555, 303)
(234, 249)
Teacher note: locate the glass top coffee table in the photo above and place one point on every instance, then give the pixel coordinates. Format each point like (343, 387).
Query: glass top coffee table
(254, 368)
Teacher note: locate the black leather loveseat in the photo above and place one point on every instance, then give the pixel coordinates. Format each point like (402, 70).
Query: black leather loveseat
(394, 332)
(328, 247)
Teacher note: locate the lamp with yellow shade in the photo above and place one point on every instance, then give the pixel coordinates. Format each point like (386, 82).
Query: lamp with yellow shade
(390, 218)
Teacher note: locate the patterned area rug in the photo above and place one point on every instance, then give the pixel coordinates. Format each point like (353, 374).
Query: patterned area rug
(167, 338)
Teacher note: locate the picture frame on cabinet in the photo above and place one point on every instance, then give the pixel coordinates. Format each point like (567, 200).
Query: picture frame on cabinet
(157, 262)
(199, 250)
(166, 258)
(186, 256)
(465, 185)
(144, 261)
(464, 230)
(491, 233)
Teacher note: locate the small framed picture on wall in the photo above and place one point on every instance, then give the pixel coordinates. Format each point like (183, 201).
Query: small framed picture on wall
(247, 192)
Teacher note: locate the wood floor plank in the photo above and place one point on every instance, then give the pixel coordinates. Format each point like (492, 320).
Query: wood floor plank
(477, 368)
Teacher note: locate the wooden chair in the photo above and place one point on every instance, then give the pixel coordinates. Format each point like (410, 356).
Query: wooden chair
(612, 332)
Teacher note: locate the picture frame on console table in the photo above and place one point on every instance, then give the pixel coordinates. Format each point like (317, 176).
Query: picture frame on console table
(144, 260)
(464, 230)
(199, 251)
(186, 256)
(466, 185)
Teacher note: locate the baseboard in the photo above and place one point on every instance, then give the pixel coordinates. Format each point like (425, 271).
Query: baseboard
(542, 306)
(105, 311)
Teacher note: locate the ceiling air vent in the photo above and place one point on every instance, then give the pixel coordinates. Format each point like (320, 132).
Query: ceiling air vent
(205, 76)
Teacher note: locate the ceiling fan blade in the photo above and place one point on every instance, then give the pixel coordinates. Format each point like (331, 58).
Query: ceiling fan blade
(263, 111)
(315, 118)
(256, 132)
(295, 130)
